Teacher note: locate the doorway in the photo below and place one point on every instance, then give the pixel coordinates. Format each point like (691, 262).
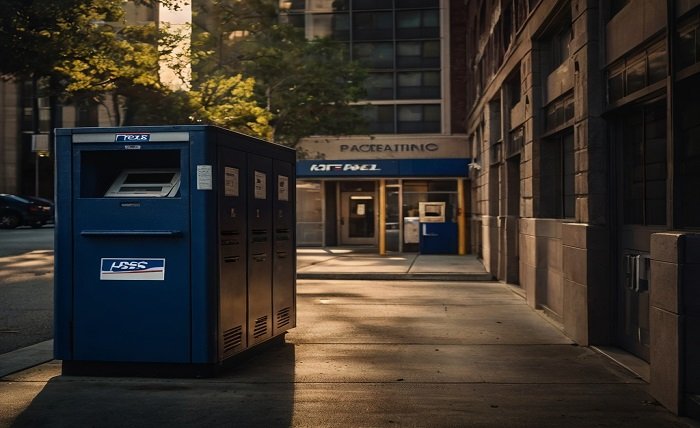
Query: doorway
(357, 218)
(642, 171)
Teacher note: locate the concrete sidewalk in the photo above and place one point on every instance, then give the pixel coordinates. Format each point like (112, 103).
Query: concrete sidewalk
(369, 354)
(358, 263)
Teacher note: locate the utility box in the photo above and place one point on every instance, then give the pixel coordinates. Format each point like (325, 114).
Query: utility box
(174, 247)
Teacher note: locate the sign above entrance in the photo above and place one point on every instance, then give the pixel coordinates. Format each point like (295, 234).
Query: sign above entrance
(386, 147)
(384, 168)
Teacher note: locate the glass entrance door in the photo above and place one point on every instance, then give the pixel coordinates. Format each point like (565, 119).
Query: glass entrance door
(358, 220)
(641, 137)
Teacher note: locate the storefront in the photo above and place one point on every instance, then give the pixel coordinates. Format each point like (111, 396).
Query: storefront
(396, 205)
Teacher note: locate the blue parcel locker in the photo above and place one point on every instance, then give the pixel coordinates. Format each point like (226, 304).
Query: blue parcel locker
(164, 248)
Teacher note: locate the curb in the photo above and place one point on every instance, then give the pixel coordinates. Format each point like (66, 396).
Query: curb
(24, 358)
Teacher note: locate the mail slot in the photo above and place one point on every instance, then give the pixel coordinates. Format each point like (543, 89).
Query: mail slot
(166, 248)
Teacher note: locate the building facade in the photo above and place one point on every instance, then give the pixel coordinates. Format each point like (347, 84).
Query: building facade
(582, 119)
(368, 189)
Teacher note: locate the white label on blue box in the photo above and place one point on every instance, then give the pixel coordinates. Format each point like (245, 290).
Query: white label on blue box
(132, 269)
(204, 177)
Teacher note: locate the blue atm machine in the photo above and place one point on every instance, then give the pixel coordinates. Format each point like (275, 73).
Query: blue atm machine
(174, 248)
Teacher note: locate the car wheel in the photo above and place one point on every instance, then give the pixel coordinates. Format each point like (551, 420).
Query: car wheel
(9, 220)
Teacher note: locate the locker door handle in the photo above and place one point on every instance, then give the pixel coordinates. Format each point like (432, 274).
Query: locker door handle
(259, 257)
(231, 259)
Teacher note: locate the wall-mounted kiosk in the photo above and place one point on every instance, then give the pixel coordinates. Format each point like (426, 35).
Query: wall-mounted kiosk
(174, 247)
(437, 236)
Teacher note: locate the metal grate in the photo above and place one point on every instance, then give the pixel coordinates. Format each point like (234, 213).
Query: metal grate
(260, 327)
(283, 317)
(233, 338)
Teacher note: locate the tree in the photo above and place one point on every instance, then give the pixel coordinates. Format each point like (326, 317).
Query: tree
(307, 86)
(87, 52)
(228, 101)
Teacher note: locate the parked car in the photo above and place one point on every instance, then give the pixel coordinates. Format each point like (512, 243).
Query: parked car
(24, 211)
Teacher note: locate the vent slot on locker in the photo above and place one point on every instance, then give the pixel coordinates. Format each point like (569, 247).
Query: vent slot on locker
(233, 338)
(230, 237)
(260, 327)
(259, 235)
(282, 235)
(283, 317)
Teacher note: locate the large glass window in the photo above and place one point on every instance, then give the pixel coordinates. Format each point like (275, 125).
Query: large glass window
(418, 54)
(398, 41)
(380, 119)
(418, 84)
(559, 112)
(687, 204)
(418, 118)
(417, 24)
(644, 166)
(380, 86)
(372, 26)
(557, 197)
(637, 72)
(374, 55)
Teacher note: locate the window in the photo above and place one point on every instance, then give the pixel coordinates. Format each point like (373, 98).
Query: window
(399, 42)
(559, 113)
(556, 43)
(644, 166)
(688, 44)
(559, 46)
(516, 141)
(418, 84)
(557, 198)
(380, 86)
(687, 204)
(418, 54)
(637, 72)
(417, 24)
(374, 55)
(380, 119)
(373, 26)
(418, 118)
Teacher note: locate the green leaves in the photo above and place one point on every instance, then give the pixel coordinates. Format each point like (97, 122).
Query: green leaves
(228, 102)
(307, 86)
(249, 72)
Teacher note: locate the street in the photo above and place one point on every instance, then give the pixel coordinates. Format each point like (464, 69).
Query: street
(26, 287)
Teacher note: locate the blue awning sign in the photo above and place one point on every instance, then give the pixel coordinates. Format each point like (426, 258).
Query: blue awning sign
(384, 168)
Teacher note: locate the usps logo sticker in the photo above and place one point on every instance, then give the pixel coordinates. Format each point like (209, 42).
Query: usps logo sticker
(132, 269)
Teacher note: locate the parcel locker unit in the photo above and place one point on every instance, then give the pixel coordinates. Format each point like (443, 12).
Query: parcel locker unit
(164, 246)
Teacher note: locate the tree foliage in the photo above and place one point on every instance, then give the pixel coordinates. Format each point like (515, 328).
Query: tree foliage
(308, 86)
(251, 73)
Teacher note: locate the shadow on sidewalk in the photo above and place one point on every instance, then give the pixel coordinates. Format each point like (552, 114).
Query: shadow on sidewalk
(257, 392)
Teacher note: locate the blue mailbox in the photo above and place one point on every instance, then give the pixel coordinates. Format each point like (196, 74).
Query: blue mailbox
(174, 247)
